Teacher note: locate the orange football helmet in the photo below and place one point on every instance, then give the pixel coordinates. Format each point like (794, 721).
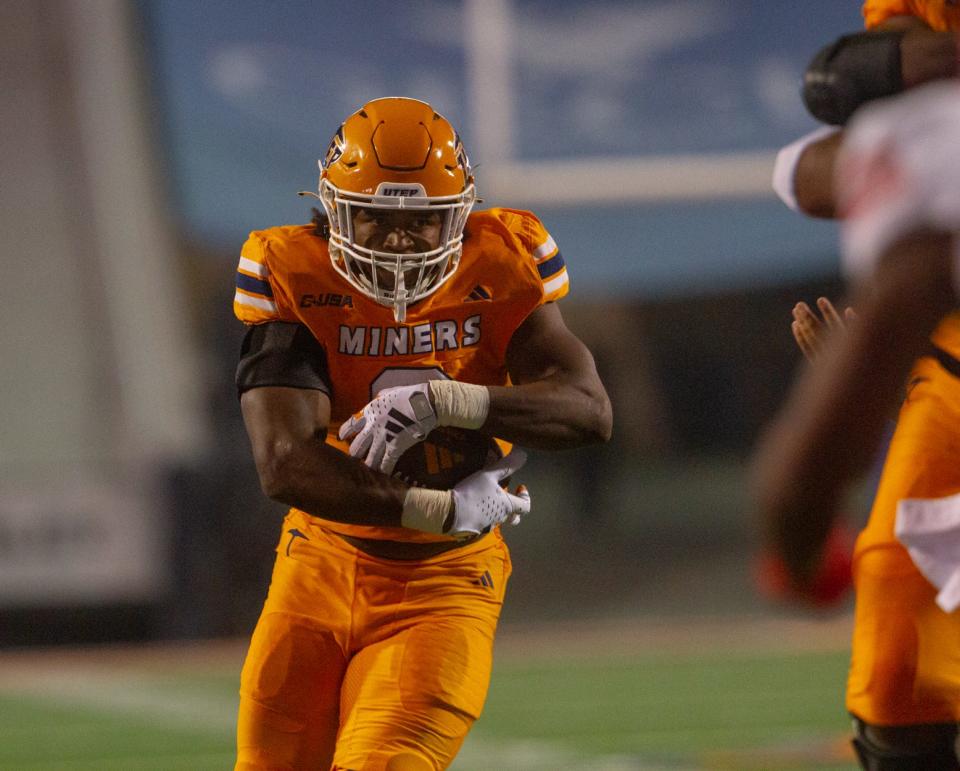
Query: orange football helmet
(396, 153)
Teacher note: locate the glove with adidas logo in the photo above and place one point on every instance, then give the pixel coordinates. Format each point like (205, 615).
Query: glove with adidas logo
(400, 417)
(389, 425)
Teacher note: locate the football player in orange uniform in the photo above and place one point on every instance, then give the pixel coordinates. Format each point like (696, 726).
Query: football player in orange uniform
(904, 683)
(399, 312)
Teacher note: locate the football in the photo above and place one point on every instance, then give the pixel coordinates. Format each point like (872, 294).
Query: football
(445, 457)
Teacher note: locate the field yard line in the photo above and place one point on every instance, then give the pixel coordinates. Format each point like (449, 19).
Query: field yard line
(807, 633)
(131, 696)
(480, 753)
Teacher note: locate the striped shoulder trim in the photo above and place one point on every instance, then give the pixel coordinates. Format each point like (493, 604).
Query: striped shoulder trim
(252, 301)
(254, 291)
(253, 288)
(557, 286)
(252, 268)
(551, 268)
(545, 250)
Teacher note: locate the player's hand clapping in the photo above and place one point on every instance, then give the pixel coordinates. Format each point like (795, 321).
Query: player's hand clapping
(812, 331)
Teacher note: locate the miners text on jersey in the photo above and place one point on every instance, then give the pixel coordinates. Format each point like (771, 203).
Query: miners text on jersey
(442, 335)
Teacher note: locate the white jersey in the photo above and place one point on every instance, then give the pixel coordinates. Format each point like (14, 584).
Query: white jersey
(898, 171)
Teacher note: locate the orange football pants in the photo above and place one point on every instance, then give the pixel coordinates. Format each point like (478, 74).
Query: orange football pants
(364, 663)
(905, 667)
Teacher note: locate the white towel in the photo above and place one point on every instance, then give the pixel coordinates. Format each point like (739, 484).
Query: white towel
(930, 530)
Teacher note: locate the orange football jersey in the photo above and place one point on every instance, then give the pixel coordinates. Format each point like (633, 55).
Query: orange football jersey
(510, 266)
(941, 15)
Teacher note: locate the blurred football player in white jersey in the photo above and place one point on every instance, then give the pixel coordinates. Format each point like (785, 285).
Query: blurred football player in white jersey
(901, 719)
(898, 191)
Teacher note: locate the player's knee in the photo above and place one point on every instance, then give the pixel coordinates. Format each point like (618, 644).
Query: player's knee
(251, 759)
(402, 760)
(927, 747)
(408, 761)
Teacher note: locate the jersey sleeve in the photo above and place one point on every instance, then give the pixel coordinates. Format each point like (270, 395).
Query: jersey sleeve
(540, 247)
(253, 301)
(875, 12)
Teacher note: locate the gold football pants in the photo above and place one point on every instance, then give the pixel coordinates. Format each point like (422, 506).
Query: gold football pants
(905, 667)
(366, 663)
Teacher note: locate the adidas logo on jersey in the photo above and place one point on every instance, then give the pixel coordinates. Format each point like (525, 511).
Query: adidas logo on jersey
(478, 293)
(445, 335)
(485, 580)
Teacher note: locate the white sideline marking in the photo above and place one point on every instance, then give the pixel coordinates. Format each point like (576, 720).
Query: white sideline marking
(480, 753)
(131, 695)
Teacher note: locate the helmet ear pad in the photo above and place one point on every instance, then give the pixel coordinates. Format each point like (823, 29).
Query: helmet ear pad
(396, 153)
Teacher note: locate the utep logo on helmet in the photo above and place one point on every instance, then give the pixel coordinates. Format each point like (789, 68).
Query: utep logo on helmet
(335, 150)
(401, 190)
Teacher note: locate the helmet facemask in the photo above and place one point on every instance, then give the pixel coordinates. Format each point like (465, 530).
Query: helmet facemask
(395, 279)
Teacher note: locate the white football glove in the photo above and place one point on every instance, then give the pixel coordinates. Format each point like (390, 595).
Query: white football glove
(389, 425)
(479, 502)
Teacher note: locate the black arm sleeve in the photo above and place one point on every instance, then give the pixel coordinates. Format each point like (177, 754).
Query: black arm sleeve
(851, 71)
(281, 353)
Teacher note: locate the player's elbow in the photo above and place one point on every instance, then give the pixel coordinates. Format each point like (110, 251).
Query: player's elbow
(604, 423)
(851, 71)
(598, 426)
(815, 203)
(276, 466)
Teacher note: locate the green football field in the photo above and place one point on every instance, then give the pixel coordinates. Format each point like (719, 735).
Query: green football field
(690, 699)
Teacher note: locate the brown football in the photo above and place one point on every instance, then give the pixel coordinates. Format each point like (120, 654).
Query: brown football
(445, 457)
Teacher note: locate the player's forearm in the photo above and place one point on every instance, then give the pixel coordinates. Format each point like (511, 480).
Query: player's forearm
(324, 482)
(926, 55)
(813, 177)
(801, 471)
(552, 414)
(829, 431)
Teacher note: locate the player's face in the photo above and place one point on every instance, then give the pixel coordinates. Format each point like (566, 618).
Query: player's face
(397, 232)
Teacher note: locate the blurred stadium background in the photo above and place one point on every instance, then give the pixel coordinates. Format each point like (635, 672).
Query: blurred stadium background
(143, 140)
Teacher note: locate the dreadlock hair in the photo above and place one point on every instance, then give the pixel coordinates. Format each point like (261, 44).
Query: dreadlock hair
(321, 225)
